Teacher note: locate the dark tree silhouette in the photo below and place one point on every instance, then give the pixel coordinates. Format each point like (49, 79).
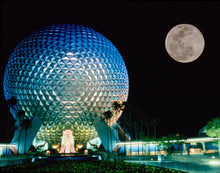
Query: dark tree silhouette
(213, 129)
(155, 124)
(26, 124)
(147, 123)
(11, 103)
(21, 115)
(107, 115)
(116, 106)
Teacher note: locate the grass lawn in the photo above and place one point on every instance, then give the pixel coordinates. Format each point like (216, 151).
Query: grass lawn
(84, 167)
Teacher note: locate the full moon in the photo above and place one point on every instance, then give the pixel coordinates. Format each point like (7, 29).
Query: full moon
(184, 43)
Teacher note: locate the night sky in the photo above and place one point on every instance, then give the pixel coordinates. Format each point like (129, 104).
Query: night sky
(183, 97)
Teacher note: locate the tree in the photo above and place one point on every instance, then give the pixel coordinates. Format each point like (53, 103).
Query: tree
(150, 140)
(107, 115)
(180, 139)
(142, 117)
(21, 115)
(11, 103)
(141, 133)
(154, 123)
(118, 107)
(167, 141)
(212, 129)
(147, 123)
(136, 130)
(26, 124)
(130, 122)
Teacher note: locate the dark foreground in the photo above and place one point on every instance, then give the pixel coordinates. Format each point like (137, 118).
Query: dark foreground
(81, 166)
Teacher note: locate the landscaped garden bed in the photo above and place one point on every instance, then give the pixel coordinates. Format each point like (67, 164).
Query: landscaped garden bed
(84, 167)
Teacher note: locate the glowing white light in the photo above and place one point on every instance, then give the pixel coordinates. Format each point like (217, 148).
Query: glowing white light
(214, 162)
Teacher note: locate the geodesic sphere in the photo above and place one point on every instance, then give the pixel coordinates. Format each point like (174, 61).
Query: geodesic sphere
(67, 75)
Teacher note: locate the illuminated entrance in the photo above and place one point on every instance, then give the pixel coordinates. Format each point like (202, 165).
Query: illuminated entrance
(67, 142)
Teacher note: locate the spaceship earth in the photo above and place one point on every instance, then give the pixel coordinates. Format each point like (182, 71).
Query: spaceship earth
(67, 75)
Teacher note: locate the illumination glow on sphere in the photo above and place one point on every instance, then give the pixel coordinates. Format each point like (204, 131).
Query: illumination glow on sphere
(67, 75)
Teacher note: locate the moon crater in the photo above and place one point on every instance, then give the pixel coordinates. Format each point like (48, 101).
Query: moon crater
(184, 43)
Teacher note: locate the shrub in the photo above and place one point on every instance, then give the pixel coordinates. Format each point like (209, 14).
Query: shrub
(84, 167)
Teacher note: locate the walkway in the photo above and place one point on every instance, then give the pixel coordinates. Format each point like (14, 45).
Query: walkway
(14, 159)
(192, 164)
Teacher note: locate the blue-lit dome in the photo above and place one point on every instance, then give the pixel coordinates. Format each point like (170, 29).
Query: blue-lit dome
(67, 75)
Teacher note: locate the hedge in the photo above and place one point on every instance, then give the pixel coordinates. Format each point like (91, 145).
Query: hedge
(84, 167)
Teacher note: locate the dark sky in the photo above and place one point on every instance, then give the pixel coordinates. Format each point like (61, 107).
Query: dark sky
(183, 97)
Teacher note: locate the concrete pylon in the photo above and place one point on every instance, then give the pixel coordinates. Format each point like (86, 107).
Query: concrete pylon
(31, 133)
(107, 134)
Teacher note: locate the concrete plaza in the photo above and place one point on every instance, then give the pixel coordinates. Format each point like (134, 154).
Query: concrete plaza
(192, 163)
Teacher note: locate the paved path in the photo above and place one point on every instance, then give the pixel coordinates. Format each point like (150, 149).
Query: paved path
(182, 166)
(14, 159)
